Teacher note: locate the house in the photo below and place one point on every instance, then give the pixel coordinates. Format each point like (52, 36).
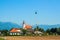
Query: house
(15, 31)
(38, 32)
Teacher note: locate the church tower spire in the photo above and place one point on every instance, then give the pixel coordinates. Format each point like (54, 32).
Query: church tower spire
(24, 24)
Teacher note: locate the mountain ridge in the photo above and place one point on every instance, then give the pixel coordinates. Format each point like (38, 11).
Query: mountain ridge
(9, 25)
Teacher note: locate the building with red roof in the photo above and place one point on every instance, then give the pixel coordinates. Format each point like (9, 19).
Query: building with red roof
(15, 31)
(25, 26)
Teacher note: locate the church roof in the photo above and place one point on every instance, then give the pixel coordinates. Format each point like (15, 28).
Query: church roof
(28, 27)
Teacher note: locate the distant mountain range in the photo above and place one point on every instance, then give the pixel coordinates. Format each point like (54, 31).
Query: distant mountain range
(48, 26)
(9, 25)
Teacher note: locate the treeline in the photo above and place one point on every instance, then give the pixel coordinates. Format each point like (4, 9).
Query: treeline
(36, 31)
(53, 31)
(4, 32)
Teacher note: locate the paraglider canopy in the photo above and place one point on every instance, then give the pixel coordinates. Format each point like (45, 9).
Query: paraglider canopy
(35, 12)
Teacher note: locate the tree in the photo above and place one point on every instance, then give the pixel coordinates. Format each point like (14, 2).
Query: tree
(36, 29)
(39, 29)
(4, 32)
(24, 31)
(53, 30)
(58, 31)
(48, 31)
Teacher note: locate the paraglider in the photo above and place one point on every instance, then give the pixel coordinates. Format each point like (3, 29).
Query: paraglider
(35, 12)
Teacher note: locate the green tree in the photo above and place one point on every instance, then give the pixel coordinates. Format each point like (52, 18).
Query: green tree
(24, 31)
(4, 32)
(42, 30)
(48, 31)
(58, 31)
(37, 28)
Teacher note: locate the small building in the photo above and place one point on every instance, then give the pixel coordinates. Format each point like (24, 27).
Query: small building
(15, 31)
(38, 32)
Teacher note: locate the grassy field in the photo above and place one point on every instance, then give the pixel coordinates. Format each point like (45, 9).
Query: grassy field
(1, 39)
(32, 38)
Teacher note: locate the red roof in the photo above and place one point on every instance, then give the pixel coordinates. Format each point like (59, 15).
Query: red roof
(28, 27)
(15, 30)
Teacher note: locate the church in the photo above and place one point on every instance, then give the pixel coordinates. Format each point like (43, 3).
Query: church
(18, 31)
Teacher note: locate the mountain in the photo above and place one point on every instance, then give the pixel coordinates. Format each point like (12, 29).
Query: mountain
(8, 25)
(45, 27)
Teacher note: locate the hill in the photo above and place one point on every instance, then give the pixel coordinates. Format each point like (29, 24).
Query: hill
(8, 25)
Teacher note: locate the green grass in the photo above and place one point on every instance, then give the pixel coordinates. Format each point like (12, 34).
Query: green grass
(1, 39)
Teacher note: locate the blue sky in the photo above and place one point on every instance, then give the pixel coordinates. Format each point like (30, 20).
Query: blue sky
(48, 11)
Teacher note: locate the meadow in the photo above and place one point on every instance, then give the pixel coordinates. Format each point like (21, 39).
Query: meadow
(2, 39)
